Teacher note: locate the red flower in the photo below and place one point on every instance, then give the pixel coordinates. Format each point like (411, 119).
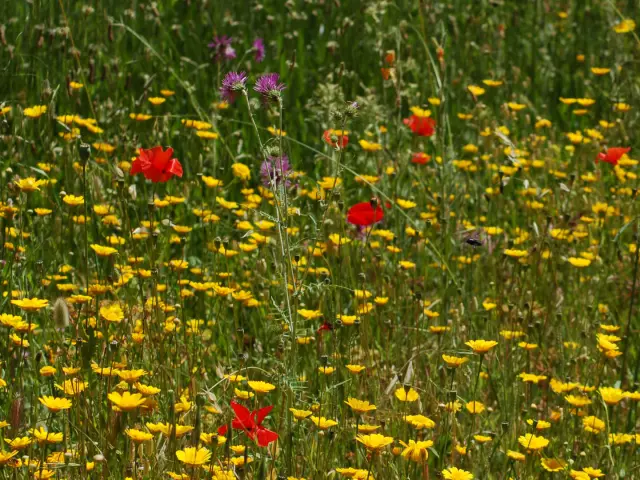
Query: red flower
(364, 214)
(336, 138)
(613, 154)
(251, 423)
(325, 327)
(420, 158)
(156, 164)
(421, 126)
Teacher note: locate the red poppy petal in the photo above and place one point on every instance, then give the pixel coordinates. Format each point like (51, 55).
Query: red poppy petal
(243, 415)
(174, 167)
(223, 430)
(262, 413)
(265, 437)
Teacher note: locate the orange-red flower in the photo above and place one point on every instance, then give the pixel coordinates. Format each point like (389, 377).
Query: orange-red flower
(613, 154)
(420, 125)
(364, 214)
(156, 164)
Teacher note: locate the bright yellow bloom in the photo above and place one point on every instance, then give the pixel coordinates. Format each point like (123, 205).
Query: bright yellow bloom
(126, 401)
(30, 304)
(193, 456)
(260, 387)
(406, 394)
(138, 436)
(481, 346)
(54, 404)
(374, 442)
(416, 451)
(533, 442)
(36, 111)
(360, 406)
(454, 473)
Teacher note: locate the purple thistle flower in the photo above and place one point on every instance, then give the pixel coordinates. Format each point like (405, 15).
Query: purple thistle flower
(275, 170)
(267, 86)
(258, 47)
(222, 49)
(233, 82)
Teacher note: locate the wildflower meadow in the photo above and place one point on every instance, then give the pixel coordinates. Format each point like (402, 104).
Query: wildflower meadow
(319, 239)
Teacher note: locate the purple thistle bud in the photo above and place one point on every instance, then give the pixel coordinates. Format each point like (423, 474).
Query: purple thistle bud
(222, 49)
(233, 82)
(275, 171)
(267, 86)
(258, 47)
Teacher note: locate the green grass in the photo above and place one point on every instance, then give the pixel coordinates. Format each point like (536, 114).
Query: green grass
(398, 295)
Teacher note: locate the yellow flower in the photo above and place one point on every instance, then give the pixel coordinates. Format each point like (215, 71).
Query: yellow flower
(193, 456)
(454, 473)
(6, 456)
(139, 117)
(157, 100)
(36, 111)
(475, 407)
(309, 314)
(481, 346)
(112, 313)
(276, 132)
(579, 262)
(406, 394)
(360, 406)
(260, 387)
(593, 424)
(600, 71)
(553, 464)
(29, 184)
(610, 395)
(42, 436)
(416, 451)
(103, 251)
(323, 423)
(54, 404)
(241, 171)
(30, 304)
(533, 442)
(454, 362)
(212, 182)
(625, 26)
(420, 112)
(300, 414)
(355, 368)
(374, 442)
(207, 135)
(18, 443)
(406, 204)
(517, 456)
(138, 436)
(475, 90)
(510, 252)
(420, 421)
(370, 146)
(492, 83)
(126, 401)
(73, 200)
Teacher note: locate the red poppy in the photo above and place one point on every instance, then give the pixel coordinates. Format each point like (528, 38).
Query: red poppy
(421, 126)
(613, 154)
(325, 327)
(156, 164)
(364, 214)
(336, 138)
(420, 158)
(251, 423)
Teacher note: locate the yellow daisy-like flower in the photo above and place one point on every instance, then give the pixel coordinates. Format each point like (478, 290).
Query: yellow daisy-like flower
(360, 406)
(455, 473)
(194, 456)
(157, 100)
(30, 304)
(323, 423)
(406, 394)
(103, 251)
(36, 111)
(579, 262)
(481, 346)
(73, 200)
(374, 442)
(260, 387)
(454, 362)
(533, 442)
(370, 146)
(126, 401)
(54, 404)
